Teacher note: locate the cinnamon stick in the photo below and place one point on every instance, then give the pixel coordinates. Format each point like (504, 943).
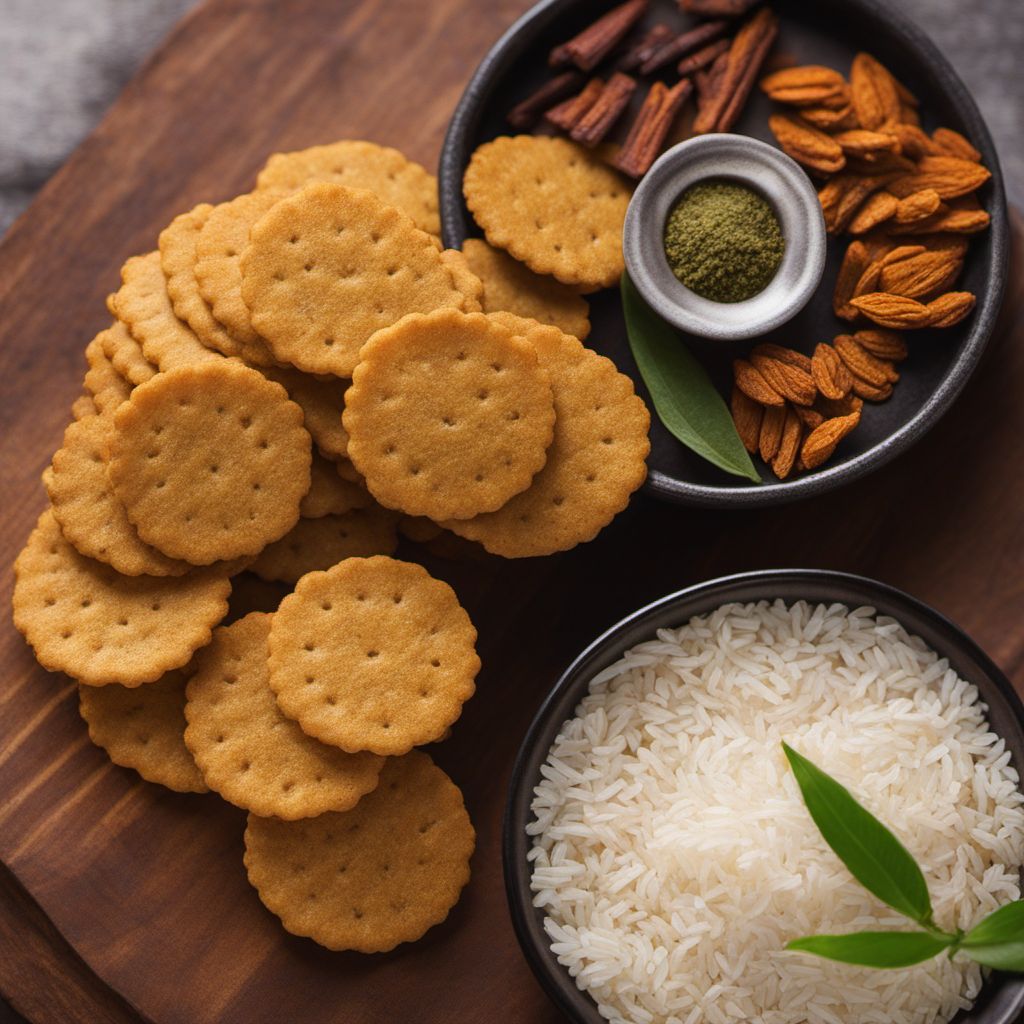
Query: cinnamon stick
(703, 57)
(733, 74)
(599, 119)
(645, 47)
(551, 92)
(568, 113)
(652, 124)
(682, 45)
(594, 43)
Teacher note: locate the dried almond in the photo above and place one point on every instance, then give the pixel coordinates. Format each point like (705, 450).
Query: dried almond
(822, 441)
(878, 243)
(952, 142)
(943, 240)
(788, 380)
(909, 114)
(830, 408)
(805, 86)
(875, 210)
(771, 431)
(830, 374)
(868, 281)
(917, 206)
(862, 363)
(914, 142)
(784, 355)
(882, 162)
(950, 176)
(883, 344)
(855, 261)
(950, 309)
(947, 220)
(871, 392)
(862, 142)
(753, 385)
(926, 273)
(876, 96)
(746, 415)
(828, 119)
(807, 145)
(810, 418)
(789, 446)
(892, 311)
(841, 197)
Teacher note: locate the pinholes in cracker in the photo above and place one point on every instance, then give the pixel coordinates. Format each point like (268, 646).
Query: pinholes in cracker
(372, 877)
(596, 461)
(374, 654)
(510, 286)
(449, 415)
(382, 170)
(210, 462)
(83, 618)
(143, 728)
(90, 516)
(248, 751)
(329, 266)
(219, 246)
(553, 205)
(315, 544)
(143, 304)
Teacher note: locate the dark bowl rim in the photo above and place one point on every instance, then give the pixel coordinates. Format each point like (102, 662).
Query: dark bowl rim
(455, 228)
(552, 976)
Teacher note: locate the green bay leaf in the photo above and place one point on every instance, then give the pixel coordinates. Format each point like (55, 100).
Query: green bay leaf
(998, 940)
(874, 856)
(684, 398)
(874, 949)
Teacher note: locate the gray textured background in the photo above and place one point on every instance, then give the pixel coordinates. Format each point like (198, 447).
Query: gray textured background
(63, 61)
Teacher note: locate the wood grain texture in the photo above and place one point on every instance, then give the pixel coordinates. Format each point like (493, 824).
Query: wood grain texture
(147, 886)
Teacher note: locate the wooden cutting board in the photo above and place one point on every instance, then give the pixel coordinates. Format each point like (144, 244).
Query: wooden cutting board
(120, 901)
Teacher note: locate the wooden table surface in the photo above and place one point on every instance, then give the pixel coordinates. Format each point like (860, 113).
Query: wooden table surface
(121, 903)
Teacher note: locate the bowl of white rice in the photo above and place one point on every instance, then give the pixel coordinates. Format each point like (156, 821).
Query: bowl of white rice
(658, 854)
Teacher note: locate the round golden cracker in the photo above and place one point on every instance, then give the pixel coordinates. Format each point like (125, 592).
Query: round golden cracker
(329, 493)
(247, 751)
(449, 415)
(83, 406)
(329, 266)
(143, 727)
(142, 303)
(107, 387)
(511, 287)
(465, 280)
(372, 877)
(83, 618)
(219, 246)
(210, 462)
(178, 260)
(553, 205)
(374, 654)
(596, 461)
(125, 354)
(91, 518)
(317, 544)
(321, 402)
(382, 170)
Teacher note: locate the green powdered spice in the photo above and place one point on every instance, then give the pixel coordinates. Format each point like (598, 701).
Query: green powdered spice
(723, 241)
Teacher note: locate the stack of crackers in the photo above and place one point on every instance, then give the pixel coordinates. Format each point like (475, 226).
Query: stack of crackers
(291, 377)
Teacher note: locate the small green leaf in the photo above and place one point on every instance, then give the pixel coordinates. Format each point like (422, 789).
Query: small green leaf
(998, 940)
(874, 949)
(875, 857)
(684, 397)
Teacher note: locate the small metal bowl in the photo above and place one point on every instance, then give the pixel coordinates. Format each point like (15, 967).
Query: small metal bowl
(1001, 1000)
(763, 169)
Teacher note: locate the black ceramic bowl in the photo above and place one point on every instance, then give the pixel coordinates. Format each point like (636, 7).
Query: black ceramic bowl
(1002, 998)
(828, 32)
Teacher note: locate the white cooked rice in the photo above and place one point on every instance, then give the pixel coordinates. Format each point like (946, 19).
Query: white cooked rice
(674, 857)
